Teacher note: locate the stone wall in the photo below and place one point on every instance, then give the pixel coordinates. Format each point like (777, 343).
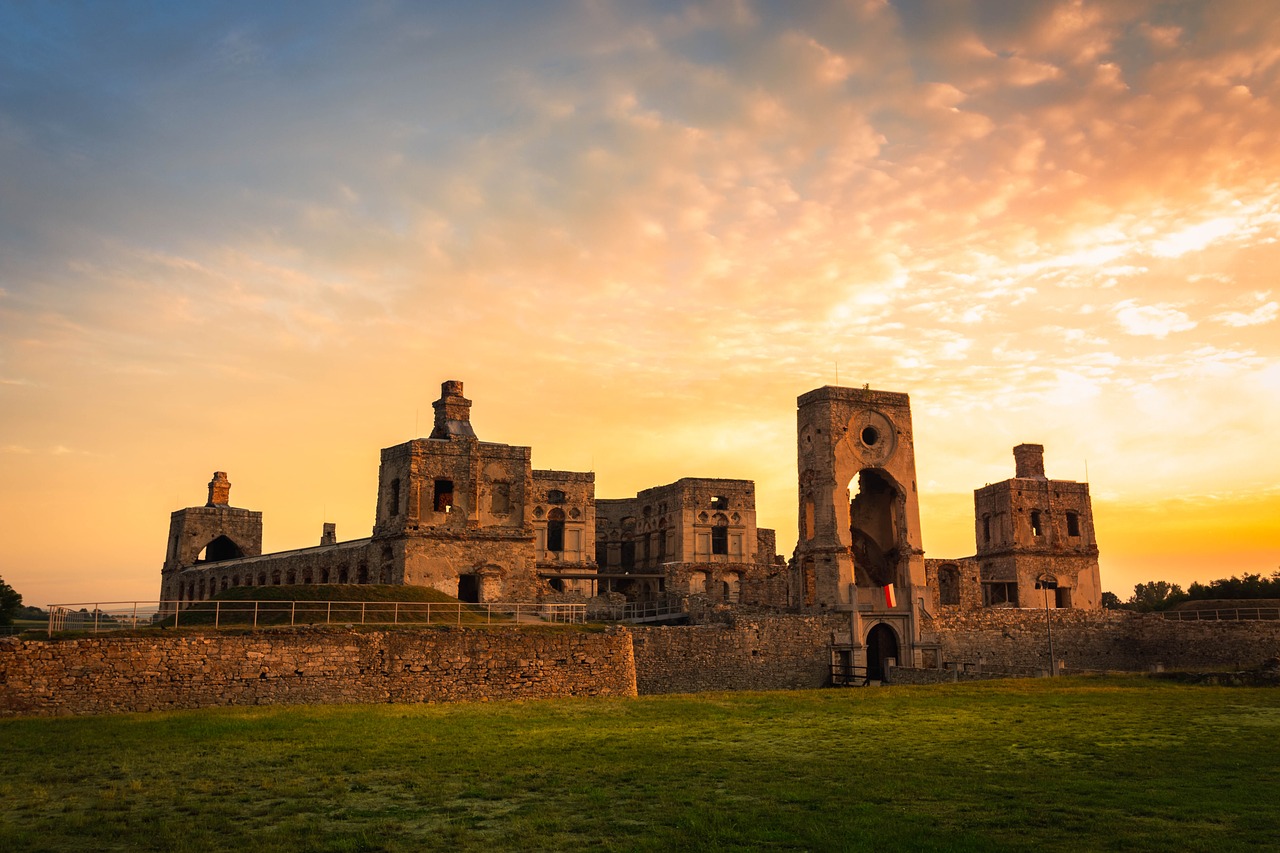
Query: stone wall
(1102, 639)
(116, 674)
(760, 653)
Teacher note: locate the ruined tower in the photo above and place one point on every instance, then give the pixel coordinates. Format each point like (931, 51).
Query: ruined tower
(1031, 529)
(208, 534)
(859, 518)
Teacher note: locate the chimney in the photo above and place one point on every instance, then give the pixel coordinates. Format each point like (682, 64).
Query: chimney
(453, 412)
(330, 534)
(1028, 460)
(219, 489)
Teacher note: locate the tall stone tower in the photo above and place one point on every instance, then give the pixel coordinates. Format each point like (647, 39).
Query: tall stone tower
(207, 534)
(860, 518)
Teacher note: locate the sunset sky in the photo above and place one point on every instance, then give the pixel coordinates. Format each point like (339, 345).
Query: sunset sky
(257, 237)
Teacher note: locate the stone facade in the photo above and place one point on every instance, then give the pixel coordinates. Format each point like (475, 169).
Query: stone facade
(696, 536)
(311, 666)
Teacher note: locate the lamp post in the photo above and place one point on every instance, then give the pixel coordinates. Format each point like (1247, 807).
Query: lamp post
(1048, 582)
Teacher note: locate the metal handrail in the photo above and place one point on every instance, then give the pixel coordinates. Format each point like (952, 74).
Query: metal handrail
(1226, 614)
(98, 617)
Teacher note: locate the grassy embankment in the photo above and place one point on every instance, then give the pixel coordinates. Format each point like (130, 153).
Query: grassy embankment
(1073, 764)
(304, 604)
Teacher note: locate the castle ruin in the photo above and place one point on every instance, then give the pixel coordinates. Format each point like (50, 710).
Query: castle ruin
(475, 520)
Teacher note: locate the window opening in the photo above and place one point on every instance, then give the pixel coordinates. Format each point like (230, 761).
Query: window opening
(394, 509)
(555, 496)
(443, 495)
(948, 585)
(999, 592)
(1036, 529)
(719, 502)
(555, 531)
(1073, 524)
(986, 529)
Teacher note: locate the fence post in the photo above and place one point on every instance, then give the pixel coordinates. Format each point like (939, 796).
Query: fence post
(395, 614)
(362, 607)
(328, 612)
(96, 610)
(217, 613)
(255, 614)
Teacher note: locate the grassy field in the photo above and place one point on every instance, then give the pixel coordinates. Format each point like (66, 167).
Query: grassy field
(1072, 764)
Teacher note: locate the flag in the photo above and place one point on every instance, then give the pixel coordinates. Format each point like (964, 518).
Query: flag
(890, 598)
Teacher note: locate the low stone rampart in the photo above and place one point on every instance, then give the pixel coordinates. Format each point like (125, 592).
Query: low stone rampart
(1102, 640)
(759, 653)
(118, 674)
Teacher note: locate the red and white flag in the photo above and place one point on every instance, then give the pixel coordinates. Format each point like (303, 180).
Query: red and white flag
(890, 597)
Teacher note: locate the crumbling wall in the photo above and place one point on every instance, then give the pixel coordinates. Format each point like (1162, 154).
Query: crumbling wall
(761, 653)
(1105, 639)
(311, 666)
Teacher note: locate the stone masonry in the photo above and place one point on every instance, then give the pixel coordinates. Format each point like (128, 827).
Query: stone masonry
(311, 666)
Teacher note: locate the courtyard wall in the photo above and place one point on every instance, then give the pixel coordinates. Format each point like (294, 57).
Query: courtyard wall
(310, 666)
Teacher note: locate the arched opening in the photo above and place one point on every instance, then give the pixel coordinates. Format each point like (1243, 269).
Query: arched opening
(882, 644)
(720, 535)
(732, 589)
(875, 529)
(469, 588)
(219, 549)
(362, 573)
(555, 531)
(948, 585)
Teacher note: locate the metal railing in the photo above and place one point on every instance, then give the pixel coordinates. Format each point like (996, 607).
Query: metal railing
(129, 615)
(847, 675)
(635, 610)
(1230, 614)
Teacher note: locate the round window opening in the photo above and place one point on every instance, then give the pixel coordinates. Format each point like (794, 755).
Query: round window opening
(870, 435)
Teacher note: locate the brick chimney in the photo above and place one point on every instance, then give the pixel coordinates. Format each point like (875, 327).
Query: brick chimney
(1028, 460)
(453, 412)
(219, 489)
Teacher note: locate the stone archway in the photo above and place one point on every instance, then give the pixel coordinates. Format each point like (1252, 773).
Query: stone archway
(882, 644)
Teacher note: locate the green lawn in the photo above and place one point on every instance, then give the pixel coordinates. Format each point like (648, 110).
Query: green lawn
(1072, 764)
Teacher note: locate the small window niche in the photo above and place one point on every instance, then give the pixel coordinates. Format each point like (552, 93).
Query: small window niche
(443, 501)
(1073, 524)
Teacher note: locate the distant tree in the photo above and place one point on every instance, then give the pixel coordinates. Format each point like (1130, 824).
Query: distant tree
(1111, 601)
(10, 601)
(1246, 586)
(1156, 595)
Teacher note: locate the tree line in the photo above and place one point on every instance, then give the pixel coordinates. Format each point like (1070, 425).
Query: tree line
(1162, 595)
